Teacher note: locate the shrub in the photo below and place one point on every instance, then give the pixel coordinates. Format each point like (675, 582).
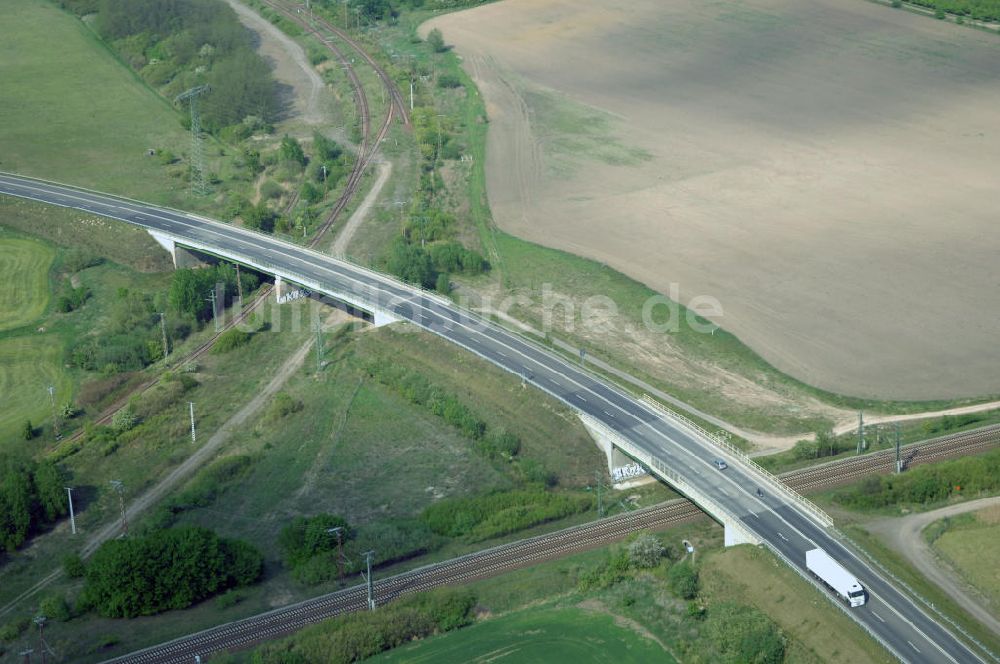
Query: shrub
(27, 430)
(449, 81)
(13, 629)
(230, 340)
(479, 518)
(443, 283)
(269, 189)
(124, 420)
(436, 41)
(646, 551)
(744, 634)
(168, 569)
(683, 580)
(358, 636)
(55, 607)
(73, 566)
(306, 537)
(283, 405)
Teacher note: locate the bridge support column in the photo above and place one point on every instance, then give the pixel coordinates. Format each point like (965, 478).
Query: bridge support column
(736, 534)
(182, 257)
(624, 471)
(380, 318)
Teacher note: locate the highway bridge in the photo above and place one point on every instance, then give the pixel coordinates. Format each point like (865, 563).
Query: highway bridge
(668, 446)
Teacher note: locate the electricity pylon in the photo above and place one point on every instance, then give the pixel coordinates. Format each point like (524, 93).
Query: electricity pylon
(198, 185)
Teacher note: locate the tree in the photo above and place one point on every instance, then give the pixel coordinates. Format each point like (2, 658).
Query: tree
(291, 150)
(443, 284)
(744, 634)
(683, 580)
(124, 420)
(27, 430)
(646, 551)
(306, 537)
(168, 569)
(436, 41)
(411, 263)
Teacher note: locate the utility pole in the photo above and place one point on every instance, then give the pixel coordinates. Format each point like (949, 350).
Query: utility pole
(120, 488)
(899, 458)
(600, 498)
(338, 531)
(26, 654)
(72, 517)
(194, 439)
(198, 185)
(163, 333)
(319, 346)
(40, 621)
(239, 285)
(861, 431)
(55, 415)
(215, 314)
(368, 580)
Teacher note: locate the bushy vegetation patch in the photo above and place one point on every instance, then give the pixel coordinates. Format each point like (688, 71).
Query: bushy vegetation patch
(180, 44)
(416, 388)
(312, 550)
(31, 495)
(190, 289)
(167, 569)
(981, 10)
(230, 340)
(479, 518)
(204, 488)
(927, 484)
(358, 636)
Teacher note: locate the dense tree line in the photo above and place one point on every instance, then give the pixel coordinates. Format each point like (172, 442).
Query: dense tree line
(178, 44)
(130, 338)
(927, 484)
(359, 636)
(478, 518)
(31, 495)
(311, 550)
(167, 569)
(190, 289)
(982, 10)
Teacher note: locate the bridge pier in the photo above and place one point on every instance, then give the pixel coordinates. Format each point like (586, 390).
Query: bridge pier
(624, 471)
(182, 258)
(610, 440)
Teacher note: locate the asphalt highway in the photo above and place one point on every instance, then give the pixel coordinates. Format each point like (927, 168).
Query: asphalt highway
(910, 633)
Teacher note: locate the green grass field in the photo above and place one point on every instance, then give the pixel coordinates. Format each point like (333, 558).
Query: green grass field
(73, 113)
(25, 265)
(29, 364)
(971, 547)
(537, 635)
(819, 632)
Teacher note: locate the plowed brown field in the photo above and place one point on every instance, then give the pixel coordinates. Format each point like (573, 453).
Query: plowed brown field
(829, 170)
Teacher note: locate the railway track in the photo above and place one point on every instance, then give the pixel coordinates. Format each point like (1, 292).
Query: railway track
(506, 557)
(109, 412)
(368, 147)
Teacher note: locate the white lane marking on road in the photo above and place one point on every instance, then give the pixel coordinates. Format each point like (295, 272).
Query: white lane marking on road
(501, 353)
(385, 285)
(913, 646)
(609, 414)
(782, 536)
(878, 616)
(755, 515)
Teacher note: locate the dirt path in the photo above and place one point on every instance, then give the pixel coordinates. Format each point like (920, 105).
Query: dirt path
(292, 70)
(187, 468)
(347, 232)
(904, 534)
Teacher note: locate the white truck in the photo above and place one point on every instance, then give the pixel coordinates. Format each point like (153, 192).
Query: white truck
(833, 574)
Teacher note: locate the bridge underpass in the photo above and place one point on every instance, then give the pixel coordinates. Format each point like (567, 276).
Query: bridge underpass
(669, 448)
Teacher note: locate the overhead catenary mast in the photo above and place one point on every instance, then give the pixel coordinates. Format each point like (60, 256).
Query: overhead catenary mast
(199, 186)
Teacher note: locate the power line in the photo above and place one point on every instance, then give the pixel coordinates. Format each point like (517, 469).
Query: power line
(120, 488)
(198, 185)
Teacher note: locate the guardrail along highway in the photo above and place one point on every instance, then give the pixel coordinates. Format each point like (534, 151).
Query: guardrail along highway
(781, 523)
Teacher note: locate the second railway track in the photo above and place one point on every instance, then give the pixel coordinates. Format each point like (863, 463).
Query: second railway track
(506, 557)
